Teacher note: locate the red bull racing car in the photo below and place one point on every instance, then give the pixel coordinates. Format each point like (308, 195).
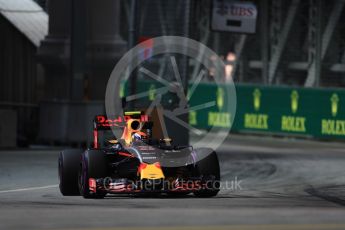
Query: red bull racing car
(136, 163)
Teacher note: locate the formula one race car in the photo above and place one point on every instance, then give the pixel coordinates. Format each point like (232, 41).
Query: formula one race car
(136, 163)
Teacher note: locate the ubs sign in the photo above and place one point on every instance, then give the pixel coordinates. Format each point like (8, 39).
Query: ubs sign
(231, 16)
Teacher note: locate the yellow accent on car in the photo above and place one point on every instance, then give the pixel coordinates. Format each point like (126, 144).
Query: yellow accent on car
(151, 171)
(113, 141)
(132, 113)
(167, 139)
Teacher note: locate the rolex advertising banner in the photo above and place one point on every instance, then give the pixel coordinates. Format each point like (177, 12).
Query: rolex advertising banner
(275, 110)
(298, 111)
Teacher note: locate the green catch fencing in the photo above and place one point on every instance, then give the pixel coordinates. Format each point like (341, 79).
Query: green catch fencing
(309, 112)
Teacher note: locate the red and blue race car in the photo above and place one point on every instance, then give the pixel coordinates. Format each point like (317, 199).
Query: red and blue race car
(136, 163)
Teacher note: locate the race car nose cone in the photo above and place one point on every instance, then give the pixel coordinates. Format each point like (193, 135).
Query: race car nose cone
(151, 171)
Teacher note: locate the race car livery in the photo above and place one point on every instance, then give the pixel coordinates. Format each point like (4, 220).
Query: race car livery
(136, 163)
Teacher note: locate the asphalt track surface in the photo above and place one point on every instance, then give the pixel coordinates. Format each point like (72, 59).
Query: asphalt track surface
(281, 184)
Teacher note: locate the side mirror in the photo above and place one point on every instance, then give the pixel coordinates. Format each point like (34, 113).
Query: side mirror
(165, 141)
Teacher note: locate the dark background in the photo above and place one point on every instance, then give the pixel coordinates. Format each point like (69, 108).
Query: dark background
(56, 56)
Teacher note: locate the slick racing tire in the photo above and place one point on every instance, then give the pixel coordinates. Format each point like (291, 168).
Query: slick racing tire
(208, 169)
(93, 165)
(69, 161)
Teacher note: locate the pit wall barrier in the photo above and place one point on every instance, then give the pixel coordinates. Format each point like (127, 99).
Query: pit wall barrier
(309, 112)
(65, 122)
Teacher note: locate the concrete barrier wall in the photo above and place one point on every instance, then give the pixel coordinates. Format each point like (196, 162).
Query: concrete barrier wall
(68, 122)
(8, 128)
(318, 113)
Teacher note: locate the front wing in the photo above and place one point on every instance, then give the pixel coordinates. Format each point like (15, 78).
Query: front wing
(125, 186)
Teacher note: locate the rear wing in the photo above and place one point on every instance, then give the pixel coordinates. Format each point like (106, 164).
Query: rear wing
(102, 122)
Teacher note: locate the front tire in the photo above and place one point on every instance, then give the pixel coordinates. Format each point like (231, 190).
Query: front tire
(69, 161)
(93, 165)
(208, 168)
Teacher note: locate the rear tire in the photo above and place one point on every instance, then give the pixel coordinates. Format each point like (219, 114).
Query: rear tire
(208, 168)
(69, 161)
(93, 165)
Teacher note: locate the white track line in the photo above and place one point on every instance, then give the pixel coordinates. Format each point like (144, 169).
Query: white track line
(29, 189)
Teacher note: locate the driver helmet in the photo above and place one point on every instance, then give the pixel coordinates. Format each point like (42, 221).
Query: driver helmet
(136, 137)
